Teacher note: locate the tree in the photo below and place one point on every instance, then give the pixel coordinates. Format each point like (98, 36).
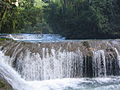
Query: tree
(7, 17)
(83, 18)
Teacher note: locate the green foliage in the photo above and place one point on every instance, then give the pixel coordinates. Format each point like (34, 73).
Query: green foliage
(27, 18)
(83, 18)
(73, 19)
(2, 84)
(7, 17)
(30, 18)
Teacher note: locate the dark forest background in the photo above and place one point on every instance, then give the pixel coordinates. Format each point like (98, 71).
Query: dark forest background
(73, 19)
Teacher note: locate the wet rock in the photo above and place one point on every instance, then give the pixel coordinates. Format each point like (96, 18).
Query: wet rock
(4, 85)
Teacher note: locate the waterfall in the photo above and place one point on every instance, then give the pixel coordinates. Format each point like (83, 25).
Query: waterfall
(57, 60)
(17, 83)
(65, 65)
(99, 63)
(10, 75)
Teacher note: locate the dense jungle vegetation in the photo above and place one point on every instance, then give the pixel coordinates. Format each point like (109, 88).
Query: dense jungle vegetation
(73, 19)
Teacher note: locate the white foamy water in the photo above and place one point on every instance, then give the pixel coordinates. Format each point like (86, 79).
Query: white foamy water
(57, 65)
(35, 37)
(15, 80)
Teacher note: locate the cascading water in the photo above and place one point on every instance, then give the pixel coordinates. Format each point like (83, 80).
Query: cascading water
(17, 83)
(44, 61)
(99, 63)
(63, 61)
(11, 76)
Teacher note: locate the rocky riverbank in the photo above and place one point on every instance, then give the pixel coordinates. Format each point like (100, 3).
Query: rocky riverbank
(4, 85)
